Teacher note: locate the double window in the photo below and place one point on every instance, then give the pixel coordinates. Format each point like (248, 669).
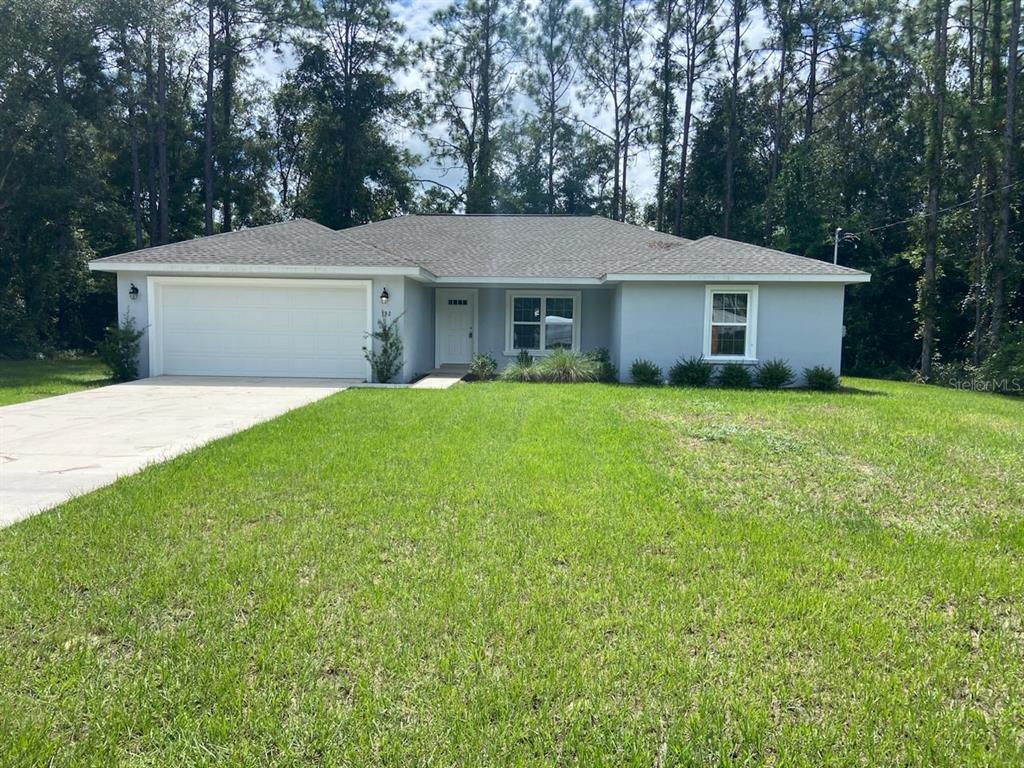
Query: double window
(540, 322)
(729, 323)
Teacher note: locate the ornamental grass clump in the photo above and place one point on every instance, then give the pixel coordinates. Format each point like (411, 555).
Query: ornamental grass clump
(563, 366)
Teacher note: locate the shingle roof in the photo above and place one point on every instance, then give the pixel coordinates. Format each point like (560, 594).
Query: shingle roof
(717, 255)
(479, 246)
(300, 243)
(517, 245)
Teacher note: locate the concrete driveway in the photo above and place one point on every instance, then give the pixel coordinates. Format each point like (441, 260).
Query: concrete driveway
(59, 447)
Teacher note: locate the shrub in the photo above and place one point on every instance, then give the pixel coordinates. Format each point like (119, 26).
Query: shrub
(482, 367)
(607, 373)
(735, 376)
(566, 367)
(690, 372)
(516, 371)
(119, 349)
(1003, 370)
(645, 373)
(385, 358)
(524, 358)
(821, 377)
(774, 374)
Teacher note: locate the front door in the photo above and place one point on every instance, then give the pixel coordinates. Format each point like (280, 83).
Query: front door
(456, 313)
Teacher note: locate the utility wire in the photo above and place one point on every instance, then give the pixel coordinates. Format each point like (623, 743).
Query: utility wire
(940, 211)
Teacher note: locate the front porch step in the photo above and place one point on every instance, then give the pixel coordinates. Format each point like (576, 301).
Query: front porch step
(442, 377)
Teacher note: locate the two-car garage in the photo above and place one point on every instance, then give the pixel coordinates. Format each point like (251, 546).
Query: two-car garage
(224, 326)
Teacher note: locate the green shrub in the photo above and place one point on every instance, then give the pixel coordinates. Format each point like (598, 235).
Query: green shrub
(482, 367)
(735, 376)
(119, 349)
(645, 373)
(563, 366)
(524, 357)
(516, 371)
(385, 357)
(690, 372)
(1003, 370)
(821, 377)
(607, 372)
(774, 374)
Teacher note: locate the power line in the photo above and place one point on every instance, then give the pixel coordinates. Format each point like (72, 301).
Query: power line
(940, 211)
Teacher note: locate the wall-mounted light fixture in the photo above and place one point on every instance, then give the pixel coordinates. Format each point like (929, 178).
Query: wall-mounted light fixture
(384, 296)
(133, 292)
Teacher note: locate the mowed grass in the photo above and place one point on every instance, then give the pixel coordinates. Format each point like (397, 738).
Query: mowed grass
(23, 380)
(505, 574)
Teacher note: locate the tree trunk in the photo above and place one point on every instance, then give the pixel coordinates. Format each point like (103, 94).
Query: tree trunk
(812, 84)
(133, 131)
(664, 129)
(691, 77)
(627, 113)
(211, 63)
(730, 144)
(163, 234)
(927, 294)
(228, 95)
(552, 128)
(1002, 250)
(151, 164)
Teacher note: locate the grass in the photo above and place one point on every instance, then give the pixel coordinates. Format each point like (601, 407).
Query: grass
(505, 574)
(23, 380)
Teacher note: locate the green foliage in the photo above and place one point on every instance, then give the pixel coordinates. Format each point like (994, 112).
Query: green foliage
(519, 371)
(384, 353)
(524, 357)
(734, 376)
(645, 373)
(774, 374)
(119, 349)
(691, 372)
(1004, 368)
(563, 366)
(607, 372)
(482, 367)
(821, 377)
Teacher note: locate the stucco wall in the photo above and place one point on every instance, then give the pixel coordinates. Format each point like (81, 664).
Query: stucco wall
(595, 317)
(416, 326)
(801, 323)
(137, 309)
(418, 329)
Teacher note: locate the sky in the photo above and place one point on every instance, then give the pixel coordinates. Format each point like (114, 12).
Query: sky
(415, 15)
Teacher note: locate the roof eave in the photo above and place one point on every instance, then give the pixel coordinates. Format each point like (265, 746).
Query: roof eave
(414, 272)
(735, 277)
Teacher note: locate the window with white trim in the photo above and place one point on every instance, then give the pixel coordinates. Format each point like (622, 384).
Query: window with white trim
(729, 331)
(541, 322)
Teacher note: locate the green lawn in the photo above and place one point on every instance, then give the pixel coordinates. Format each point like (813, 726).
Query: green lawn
(505, 574)
(22, 380)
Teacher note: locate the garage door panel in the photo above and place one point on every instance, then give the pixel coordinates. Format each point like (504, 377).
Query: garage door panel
(287, 329)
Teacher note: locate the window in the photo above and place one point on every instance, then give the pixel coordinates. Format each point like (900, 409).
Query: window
(730, 315)
(540, 322)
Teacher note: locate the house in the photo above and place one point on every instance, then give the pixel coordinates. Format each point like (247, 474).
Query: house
(297, 298)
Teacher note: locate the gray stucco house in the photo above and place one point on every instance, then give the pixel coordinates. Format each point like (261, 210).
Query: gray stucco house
(297, 298)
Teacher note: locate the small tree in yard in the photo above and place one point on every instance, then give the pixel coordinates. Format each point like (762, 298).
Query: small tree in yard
(119, 349)
(385, 356)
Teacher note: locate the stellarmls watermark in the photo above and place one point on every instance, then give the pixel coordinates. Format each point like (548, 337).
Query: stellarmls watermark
(1005, 386)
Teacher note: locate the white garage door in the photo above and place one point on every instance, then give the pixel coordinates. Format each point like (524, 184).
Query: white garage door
(253, 327)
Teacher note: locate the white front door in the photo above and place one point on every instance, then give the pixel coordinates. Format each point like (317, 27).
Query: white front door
(455, 319)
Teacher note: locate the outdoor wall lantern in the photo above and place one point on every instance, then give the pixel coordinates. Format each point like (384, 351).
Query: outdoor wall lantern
(384, 296)
(133, 292)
